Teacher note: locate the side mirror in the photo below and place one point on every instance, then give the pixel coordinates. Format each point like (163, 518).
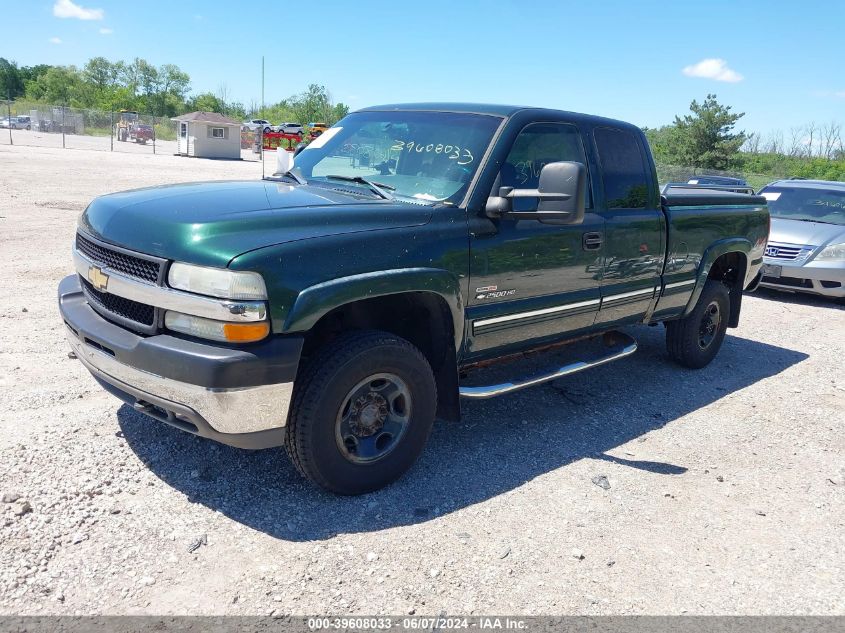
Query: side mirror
(561, 194)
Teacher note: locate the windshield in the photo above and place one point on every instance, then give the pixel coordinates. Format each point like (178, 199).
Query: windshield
(423, 156)
(804, 203)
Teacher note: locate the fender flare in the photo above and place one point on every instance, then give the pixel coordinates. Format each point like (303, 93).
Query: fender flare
(316, 301)
(709, 257)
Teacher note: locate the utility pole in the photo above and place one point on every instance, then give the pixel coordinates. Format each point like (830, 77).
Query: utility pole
(262, 85)
(9, 115)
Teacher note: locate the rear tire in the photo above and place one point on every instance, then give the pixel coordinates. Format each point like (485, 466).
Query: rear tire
(694, 340)
(362, 412)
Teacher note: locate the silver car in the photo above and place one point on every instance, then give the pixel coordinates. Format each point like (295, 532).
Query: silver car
(258, 124)
(806, 249)
(289, 128)
(16, 123)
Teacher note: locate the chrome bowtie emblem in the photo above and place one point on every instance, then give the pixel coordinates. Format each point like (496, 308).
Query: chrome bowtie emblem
(98, 278)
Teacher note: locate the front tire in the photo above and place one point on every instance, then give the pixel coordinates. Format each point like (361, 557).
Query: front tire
(694, 340)
(362, 412)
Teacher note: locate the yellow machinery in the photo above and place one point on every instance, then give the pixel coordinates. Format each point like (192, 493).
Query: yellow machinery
(126, 120)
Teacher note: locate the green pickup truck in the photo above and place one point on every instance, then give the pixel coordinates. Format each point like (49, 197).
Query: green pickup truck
(341, 305)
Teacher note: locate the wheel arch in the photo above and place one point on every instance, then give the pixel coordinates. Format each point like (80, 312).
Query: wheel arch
(727, 261)
(423, 306)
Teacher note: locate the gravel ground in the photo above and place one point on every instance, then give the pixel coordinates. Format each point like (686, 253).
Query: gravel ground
(638, 487)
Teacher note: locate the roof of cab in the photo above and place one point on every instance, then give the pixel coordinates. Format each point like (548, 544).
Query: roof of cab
(809, 184)
(493, 110)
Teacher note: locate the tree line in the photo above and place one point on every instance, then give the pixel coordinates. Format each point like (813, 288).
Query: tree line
(704, 139)
(162, 91)
(707, 140)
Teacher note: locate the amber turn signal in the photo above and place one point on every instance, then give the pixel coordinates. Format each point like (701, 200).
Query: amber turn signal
(246, 332)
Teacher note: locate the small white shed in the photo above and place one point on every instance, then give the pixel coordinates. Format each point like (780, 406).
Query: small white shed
(207, 135)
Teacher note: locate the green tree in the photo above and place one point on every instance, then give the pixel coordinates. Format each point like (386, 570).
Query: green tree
(11, 81)
(706, 138)
(315, 104)
(663, 142)
(205, 102)
(30, 73)
(59, 85)
(101, 73)
(171, 84)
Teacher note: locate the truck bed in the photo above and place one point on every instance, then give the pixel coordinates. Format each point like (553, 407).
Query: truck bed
(698, 196)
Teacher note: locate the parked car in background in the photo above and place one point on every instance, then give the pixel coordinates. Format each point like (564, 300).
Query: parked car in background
(141, 133)
(289, 128)
(727, 181)
(17, 123)
(315, 129)
(806, 249)
(258, 124)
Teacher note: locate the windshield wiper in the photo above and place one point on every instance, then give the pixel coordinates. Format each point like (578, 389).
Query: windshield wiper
(809, 220)
(376, 187)
(293, 176)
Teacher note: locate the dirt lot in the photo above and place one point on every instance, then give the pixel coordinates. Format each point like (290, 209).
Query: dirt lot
(726, 486)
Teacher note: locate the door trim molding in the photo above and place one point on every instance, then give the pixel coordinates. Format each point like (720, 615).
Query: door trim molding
(533, 313)
(519, 316)
(679, 284)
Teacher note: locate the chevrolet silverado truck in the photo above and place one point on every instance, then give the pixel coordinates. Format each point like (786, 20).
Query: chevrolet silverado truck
(341, 305)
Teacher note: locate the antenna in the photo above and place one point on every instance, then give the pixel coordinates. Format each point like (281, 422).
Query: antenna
(261, 133)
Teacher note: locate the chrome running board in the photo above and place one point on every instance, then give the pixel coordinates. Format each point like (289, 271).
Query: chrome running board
(621, 346)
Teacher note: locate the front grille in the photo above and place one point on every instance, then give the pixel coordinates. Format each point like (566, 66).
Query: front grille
(130, 265)
(787, 252)
(128, 312)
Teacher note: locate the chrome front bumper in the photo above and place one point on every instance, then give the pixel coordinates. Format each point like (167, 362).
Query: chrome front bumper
(228, 406)
(245, 410)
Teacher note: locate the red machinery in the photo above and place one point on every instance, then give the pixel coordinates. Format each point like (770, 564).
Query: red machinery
(276, 140)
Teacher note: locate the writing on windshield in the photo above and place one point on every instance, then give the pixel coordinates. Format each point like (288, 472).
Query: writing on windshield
(422, 156)
(806, 203)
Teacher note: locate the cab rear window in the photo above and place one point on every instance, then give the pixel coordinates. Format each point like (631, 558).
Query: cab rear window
(623, 169)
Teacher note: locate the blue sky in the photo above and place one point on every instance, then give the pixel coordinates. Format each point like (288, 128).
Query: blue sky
(781, 62)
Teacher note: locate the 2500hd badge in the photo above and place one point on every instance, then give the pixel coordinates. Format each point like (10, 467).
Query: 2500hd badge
(493, 292)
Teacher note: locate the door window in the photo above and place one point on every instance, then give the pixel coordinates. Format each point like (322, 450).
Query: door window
(537, 145)
(623, 169)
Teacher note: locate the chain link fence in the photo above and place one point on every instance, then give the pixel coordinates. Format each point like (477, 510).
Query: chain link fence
(677, 173)
(44, 125)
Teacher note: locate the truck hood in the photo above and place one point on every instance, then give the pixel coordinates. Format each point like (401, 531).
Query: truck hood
(805, 233)
(210, 223)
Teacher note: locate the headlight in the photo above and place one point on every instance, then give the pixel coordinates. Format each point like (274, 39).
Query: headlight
(217, 282)
(216, 330)
(833, 252)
